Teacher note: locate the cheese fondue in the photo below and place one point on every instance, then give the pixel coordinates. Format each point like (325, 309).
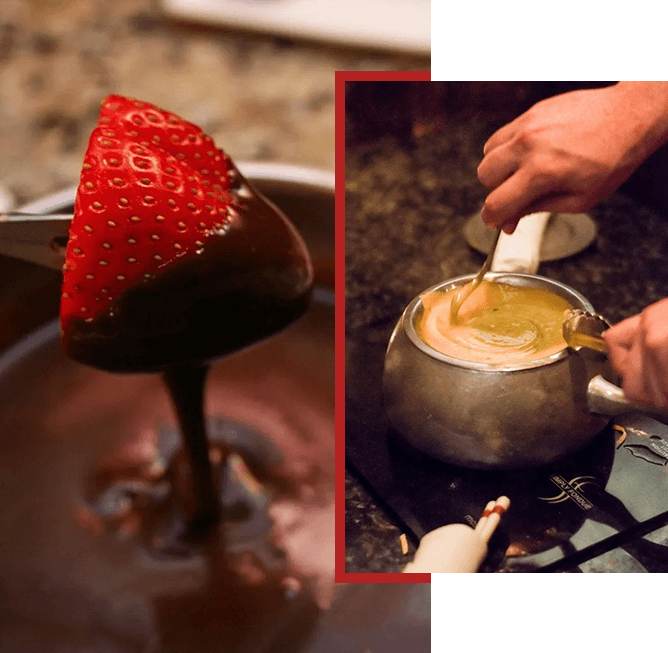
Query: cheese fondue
(499, 323)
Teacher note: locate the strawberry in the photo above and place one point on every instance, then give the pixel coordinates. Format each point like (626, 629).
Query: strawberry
(153, 188)
(155, 192)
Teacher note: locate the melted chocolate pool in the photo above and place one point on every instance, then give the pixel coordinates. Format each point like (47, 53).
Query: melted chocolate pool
(72, 581)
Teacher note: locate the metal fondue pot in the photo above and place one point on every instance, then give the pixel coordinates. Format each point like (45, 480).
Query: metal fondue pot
(494, 415)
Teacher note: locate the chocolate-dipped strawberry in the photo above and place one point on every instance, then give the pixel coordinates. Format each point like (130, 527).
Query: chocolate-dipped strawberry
(172, 257)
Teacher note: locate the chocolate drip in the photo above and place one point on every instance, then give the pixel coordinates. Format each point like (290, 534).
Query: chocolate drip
(202, 506)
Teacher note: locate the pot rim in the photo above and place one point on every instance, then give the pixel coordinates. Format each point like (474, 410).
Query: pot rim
(408, 322)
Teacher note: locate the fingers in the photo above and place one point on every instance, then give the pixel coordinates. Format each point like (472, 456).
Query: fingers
(503, 170)
(632, 373)
(527, 177)
(653, 351)
(497, 166)
(619, 340)
(501, 136)
(520, 185)
(524, 192)
(507, 202)
(510, 214)
(623, 333)
(656, 386)
(642, 379)
(638, 350)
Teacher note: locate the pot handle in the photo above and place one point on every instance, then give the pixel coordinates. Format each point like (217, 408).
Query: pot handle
(606, 398)
(520, 251)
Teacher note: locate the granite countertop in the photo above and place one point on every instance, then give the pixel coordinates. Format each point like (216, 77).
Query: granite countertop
(260, 98)
(408, 196)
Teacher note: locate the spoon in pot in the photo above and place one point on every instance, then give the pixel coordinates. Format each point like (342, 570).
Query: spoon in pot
(465, 291)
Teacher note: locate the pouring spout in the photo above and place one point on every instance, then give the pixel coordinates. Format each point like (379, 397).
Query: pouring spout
(584, 329)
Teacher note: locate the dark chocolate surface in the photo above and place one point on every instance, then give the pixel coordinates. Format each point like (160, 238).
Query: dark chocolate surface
(247, 283)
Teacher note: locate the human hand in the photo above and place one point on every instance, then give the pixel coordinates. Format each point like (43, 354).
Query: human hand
(638, 351)
(570, 151)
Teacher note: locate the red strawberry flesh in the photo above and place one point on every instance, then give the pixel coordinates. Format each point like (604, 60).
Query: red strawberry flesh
(172, 256)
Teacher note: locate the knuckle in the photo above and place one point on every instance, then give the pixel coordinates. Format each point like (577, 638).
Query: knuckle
(545, 170)
(654, 342)
(525, 139)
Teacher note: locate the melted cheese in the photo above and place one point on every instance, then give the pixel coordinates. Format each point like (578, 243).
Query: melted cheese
(499, 323)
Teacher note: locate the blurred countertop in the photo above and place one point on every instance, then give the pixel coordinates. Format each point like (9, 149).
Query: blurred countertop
(260, 98)
(411, 185)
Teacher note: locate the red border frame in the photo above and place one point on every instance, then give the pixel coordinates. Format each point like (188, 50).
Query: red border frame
(341, 77)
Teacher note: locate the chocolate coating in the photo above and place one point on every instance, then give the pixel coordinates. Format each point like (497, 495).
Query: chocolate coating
(247, 283)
